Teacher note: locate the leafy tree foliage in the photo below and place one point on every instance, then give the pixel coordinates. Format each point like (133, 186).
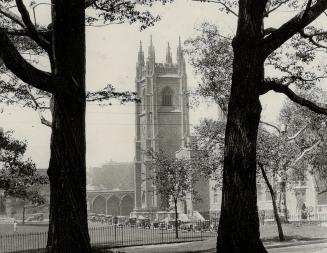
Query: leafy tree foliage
(173, 179)
(211, 56)
(18, 176)
(209, 148)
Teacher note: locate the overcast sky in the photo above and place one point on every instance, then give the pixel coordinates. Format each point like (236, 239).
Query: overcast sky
(111, 58)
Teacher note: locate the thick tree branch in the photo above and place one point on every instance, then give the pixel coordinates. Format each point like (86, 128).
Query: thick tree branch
(279, 87)
(89, 3)
(294, 25)
(39, 39)
(268, 31)
(23, 32)
(21, 68)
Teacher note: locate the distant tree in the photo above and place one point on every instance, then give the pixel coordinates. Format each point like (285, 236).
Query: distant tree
(209, 149)
(279, 155)
(18, 176)
(173, 179)
(267, 155)
(306, 131)
(211, 54)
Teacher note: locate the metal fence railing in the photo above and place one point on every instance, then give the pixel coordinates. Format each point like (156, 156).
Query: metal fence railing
(110, 236)
(319, 219)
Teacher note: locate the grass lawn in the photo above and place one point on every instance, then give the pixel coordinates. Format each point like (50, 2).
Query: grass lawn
(35, 237)
(9, 228)
(304, 232)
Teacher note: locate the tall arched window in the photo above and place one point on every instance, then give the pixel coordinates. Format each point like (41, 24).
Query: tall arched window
(167, 97)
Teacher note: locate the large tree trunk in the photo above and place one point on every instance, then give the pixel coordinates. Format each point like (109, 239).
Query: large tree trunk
(68, 229)
(273, 200)
(239, 223)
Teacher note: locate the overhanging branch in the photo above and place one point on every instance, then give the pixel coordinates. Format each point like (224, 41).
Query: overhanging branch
(280, 88)
(21, 68)
(39, 39)
(293, 26)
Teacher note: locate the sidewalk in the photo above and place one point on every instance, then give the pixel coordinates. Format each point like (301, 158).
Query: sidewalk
(200, 246)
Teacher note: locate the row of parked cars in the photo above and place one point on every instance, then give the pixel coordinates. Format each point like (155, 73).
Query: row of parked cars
(144, 222)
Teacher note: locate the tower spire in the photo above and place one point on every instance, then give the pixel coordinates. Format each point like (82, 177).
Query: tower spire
(151, 52)
(168, 55)
(180, 56)
(179, 49)
(141, 55)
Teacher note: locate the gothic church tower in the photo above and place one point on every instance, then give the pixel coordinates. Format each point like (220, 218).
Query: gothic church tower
(161, 119)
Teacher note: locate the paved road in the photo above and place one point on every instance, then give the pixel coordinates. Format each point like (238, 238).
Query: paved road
(311, 248)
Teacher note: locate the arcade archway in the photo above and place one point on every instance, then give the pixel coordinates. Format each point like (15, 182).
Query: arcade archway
(126, 205)
(113, 206)
(99, 205)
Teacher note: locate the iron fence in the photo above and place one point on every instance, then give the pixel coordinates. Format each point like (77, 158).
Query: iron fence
(319, 219)
(110, 236)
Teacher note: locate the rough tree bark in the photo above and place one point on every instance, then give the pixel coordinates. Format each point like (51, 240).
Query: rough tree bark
(273, 200)
(68, 230)
(239, 224)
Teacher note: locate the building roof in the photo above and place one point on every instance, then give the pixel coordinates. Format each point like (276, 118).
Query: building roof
(112, 175)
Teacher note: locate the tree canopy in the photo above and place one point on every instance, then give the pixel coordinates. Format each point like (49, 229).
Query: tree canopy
(18, 176)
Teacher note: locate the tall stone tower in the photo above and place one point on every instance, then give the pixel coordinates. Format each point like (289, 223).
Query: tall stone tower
(161, 119)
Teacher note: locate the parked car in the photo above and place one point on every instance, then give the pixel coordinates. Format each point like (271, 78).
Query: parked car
(188, 226)
(145, 223)
(132, 222)
(36, 217)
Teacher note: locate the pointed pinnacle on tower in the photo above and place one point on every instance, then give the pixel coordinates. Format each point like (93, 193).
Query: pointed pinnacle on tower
(151, 52)
(179, 49)
(168, 55)
(141, 50)
(141, 55)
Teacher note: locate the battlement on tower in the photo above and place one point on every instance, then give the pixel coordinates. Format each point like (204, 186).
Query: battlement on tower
(166, 68)
(150, 67)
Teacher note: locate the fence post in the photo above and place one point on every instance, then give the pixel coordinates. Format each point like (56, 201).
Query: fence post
(122, 235)
(115, 233)
(161, 234)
